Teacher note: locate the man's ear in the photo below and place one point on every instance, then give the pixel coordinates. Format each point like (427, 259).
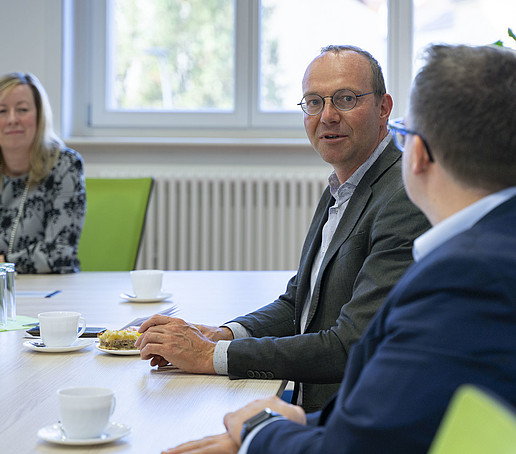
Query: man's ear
(386, 106)
(419, 158)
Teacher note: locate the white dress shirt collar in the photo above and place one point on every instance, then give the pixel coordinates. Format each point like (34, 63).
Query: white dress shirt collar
(338, 190)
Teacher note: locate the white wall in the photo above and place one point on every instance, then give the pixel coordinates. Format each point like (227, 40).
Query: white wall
(31, 42)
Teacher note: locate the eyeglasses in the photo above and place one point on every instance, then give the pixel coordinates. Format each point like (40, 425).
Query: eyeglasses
(342, 99)
(400, 133)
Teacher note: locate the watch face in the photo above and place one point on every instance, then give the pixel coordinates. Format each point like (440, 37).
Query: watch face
(264, 415)
(255, 421)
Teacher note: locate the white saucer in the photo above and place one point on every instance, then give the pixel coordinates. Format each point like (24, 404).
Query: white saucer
(77, 345)
(113, 432)
(118, 352)
(134, 299)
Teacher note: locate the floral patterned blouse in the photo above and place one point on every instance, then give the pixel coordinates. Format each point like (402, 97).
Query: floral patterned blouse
(51, 222)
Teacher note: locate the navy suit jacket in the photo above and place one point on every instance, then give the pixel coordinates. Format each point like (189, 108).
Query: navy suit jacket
(450, 320)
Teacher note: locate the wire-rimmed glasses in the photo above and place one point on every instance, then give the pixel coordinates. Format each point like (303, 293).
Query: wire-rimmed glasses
(345, 99)
(399, 133)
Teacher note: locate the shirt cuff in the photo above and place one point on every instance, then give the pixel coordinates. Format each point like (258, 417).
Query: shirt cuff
(238, 330)
(220, 357)
(245, 445)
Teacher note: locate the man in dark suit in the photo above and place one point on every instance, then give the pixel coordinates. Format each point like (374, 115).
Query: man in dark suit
(452, 317)
(357, 247)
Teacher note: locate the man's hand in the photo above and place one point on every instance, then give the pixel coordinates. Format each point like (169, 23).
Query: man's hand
(172, 340)
(229, 442)
(234, 421)
(217, 444)
(215, 333)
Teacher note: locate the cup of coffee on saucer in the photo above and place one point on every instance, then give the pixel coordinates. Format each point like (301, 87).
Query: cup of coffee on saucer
(146, 286)
(85, 418)
(85, 411)
(60, 328)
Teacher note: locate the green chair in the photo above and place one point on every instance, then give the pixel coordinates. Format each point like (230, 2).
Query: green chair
(115, 218)
(476, 423)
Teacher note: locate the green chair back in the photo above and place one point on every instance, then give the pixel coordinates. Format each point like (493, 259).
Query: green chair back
(113, 227)
(476, 423)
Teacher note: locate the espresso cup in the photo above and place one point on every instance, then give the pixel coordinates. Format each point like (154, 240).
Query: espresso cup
(146, 283)
(85, 411)
(59, 328)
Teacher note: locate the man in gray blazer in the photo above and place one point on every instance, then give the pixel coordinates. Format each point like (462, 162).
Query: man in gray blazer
(359, 244)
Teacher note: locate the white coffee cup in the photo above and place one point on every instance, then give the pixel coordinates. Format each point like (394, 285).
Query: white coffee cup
(85, 411)
(146, 283)
(59, 328)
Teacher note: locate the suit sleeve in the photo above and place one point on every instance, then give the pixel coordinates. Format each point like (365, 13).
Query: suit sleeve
(378, 258)
(428, 340)
(275, 319)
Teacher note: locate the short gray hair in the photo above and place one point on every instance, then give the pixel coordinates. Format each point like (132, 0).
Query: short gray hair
(377, 79)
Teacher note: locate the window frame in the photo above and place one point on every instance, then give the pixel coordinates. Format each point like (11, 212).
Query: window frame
(101, 117)
(88, 70)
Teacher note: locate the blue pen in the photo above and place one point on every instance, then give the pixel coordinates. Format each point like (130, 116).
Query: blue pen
(50, 295)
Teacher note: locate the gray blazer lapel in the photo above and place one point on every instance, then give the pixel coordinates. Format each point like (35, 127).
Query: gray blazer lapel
(354, 210)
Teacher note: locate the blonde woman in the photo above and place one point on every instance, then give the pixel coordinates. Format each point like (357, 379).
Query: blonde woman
(42, 198)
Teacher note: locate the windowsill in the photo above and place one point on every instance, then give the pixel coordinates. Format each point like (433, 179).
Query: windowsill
(193, 141)
(211, 151)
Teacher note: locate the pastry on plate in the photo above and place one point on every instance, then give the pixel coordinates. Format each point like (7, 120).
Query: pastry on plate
(119, 340)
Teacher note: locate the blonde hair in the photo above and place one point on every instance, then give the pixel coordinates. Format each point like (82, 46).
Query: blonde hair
(45, 148)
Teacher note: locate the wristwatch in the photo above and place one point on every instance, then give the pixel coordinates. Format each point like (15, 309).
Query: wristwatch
(256, 420)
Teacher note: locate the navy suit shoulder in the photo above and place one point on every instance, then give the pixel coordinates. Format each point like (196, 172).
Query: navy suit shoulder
(450, 320)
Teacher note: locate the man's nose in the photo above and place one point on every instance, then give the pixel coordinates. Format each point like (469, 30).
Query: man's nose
(329, 114)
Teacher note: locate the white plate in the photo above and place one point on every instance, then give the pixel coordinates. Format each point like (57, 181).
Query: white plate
(118, 352)
(134, 299)
(77, 345)
(113, 432)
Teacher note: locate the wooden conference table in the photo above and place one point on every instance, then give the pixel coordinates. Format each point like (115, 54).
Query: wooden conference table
(162, 407)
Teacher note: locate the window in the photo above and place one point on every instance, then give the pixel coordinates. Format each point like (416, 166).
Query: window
(171, 56)
(292, 33)
(472, 22)
(233, 68)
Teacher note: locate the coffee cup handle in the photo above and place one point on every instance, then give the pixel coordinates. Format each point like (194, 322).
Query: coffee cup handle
(113, 406)
(83, 327)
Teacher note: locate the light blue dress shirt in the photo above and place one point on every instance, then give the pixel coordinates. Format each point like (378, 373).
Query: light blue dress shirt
(459, 222)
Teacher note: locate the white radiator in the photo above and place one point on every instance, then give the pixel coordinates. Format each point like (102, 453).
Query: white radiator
(229, 218)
